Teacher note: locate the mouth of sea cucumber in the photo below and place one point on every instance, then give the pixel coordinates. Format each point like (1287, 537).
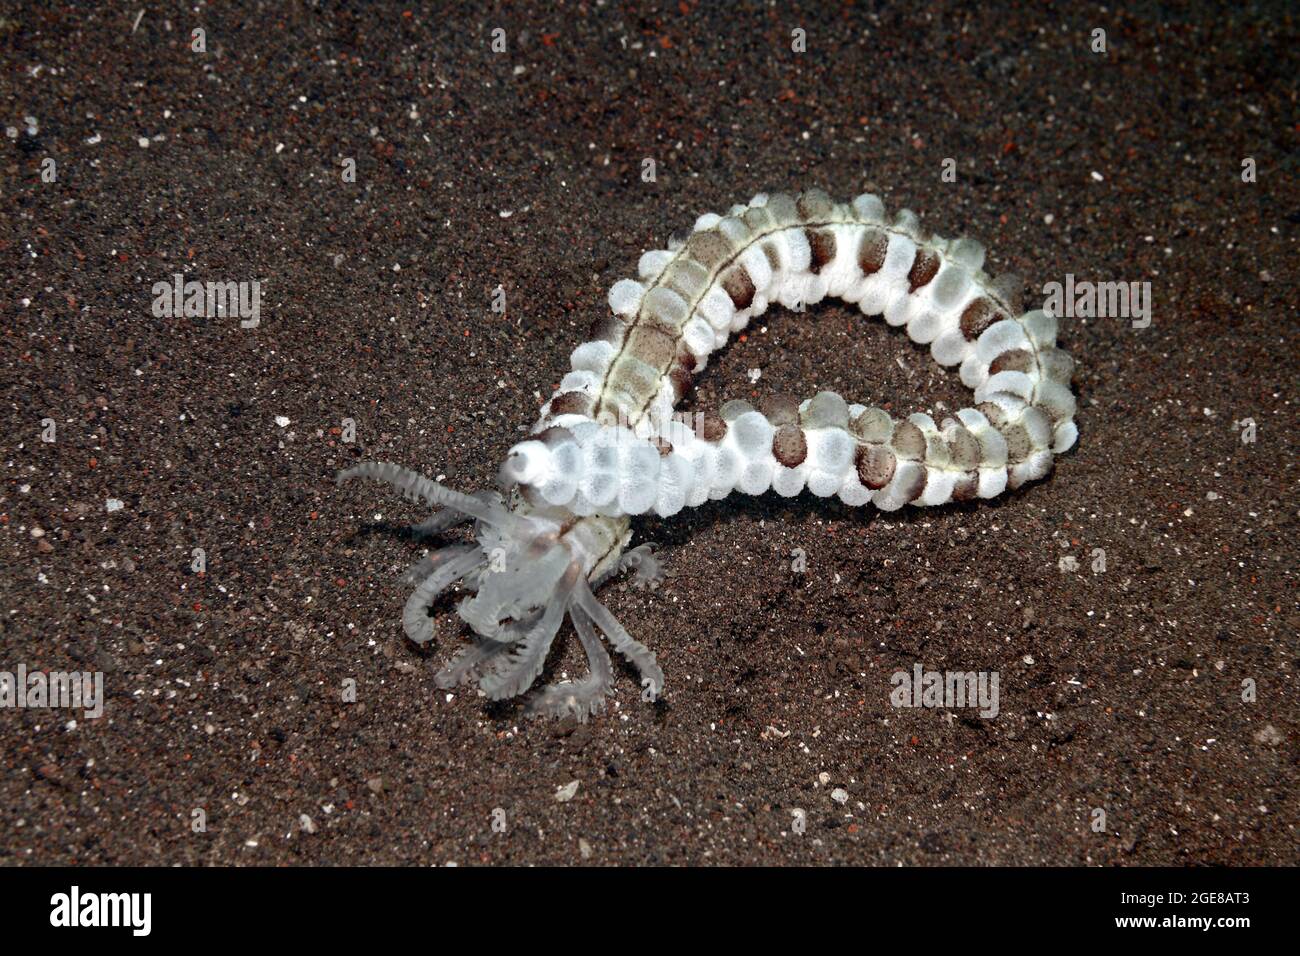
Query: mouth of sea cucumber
(524, 581)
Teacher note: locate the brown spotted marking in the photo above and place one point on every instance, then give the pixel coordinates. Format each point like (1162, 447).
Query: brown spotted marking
(916, 487)
(779, 409)
(738, 284)
(686, 358)
(1012, 360)
(682, 379)
(908, 441)
(554, 436)
(653, 343)
(872, 425)
(1018, 444)
(571, 403)
(712, 427)
(821, 243)
(789, 446)
(992, 411)
(978, 316)
(871, 251)
(609, 329)
(936, 450)
(773, 256)
(964, 449)
(710, 248)
(875, 465)
(966, 487)
(923, 270)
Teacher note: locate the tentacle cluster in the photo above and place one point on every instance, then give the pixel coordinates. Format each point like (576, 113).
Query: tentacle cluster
(524, 576)
(607, 444)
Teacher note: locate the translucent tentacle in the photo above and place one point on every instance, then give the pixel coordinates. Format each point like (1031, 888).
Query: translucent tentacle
(636, 652)
(422, 568)
(415, 618)
(449, 518)
(528, 656)
(583, 697)
(647, 569)
(482, 650)
(415, 486)
(437, 523)
(504, 593)
(457, 670)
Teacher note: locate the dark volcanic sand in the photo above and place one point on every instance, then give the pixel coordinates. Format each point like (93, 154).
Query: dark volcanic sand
(1120, 690)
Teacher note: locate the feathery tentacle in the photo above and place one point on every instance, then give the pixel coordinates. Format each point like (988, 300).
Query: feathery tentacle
(636, 652)
(584, 697)
(516, 672)
(415, 486)
(415, 618)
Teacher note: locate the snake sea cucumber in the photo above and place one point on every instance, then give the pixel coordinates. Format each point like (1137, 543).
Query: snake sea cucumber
(607, 445)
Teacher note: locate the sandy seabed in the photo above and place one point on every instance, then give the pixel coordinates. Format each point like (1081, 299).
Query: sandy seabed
(1156, 685)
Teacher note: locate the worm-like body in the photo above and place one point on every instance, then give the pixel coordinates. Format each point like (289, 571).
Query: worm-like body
(608, 444)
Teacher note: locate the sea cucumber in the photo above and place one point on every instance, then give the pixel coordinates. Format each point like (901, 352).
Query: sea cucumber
(607, 445)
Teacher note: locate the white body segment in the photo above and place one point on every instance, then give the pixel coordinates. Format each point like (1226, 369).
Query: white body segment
(607, 443)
